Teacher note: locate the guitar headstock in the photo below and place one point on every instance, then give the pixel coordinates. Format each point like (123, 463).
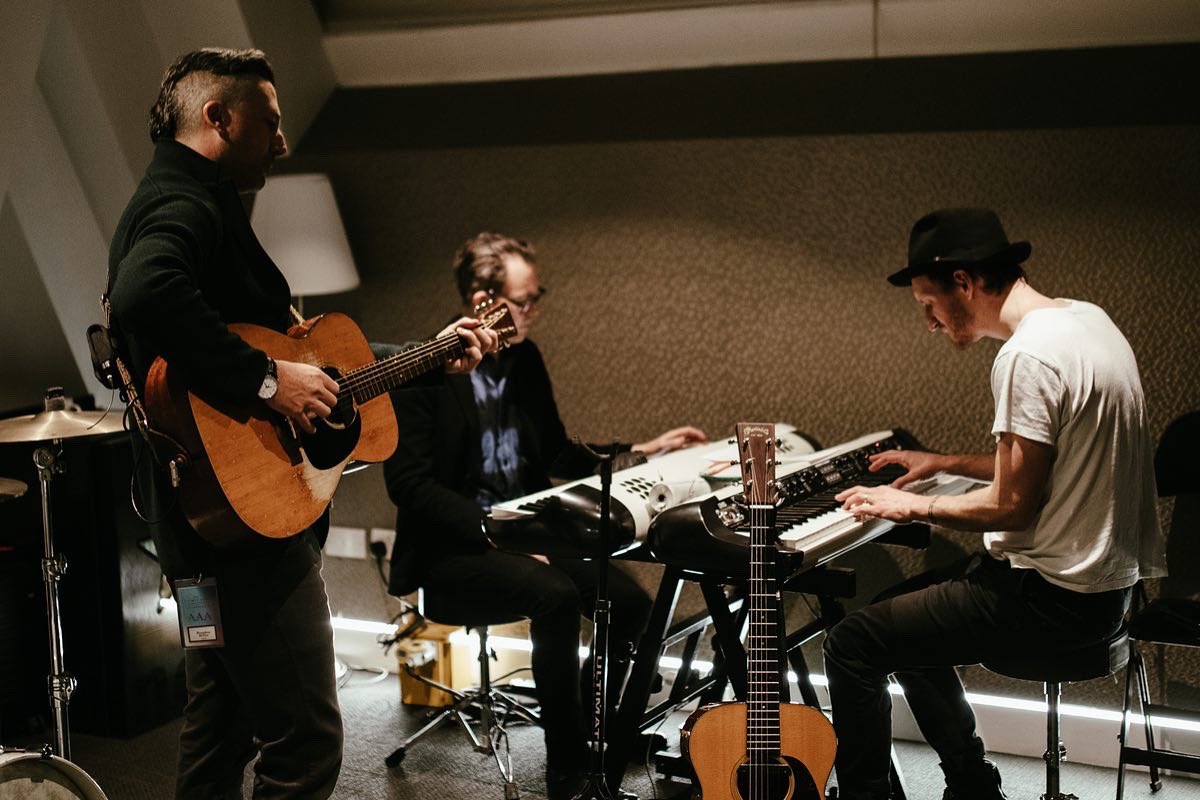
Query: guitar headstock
(756, 453)
(498, 317)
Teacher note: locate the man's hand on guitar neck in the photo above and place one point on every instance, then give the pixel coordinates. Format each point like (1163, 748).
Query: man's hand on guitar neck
(304, 393)
(477, 342)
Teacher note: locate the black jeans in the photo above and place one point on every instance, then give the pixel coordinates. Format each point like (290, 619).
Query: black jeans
(271, 689)
(920, 630)
(553, 596)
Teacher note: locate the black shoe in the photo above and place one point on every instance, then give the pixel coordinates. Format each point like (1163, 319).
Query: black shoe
(977, 781)
(564, 785)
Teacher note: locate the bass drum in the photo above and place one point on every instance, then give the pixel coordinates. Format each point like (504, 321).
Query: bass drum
(32, 776)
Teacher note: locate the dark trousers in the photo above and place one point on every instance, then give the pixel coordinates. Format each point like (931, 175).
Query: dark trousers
(271, 689)
(553, 596)
(919, 631)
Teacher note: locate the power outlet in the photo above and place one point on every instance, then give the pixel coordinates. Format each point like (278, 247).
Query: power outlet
(346, 542)
(385, 535)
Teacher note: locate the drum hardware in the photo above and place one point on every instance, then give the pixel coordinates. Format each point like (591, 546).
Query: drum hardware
(38, 773)
(52, 425)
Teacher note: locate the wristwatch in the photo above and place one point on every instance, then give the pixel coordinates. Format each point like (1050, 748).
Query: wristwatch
(270, 382)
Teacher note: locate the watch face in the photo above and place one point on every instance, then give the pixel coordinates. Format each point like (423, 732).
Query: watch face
(270, 381)
(269, 385)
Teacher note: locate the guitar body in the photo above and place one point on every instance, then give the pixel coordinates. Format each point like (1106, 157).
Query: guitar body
(714, 740)
(248, 471)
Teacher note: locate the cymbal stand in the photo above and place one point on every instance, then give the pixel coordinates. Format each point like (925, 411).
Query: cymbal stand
(596, 787)
(61, 683)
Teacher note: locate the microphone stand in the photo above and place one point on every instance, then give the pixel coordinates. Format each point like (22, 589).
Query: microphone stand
(596, 786)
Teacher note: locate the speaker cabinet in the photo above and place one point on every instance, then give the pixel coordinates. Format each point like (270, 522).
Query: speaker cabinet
(120, 644)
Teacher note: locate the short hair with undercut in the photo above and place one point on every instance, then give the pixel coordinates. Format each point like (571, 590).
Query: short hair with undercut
(479, 263)
(996, 274)
(199, 76)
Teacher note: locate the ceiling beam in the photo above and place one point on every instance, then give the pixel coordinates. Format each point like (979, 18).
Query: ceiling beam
(767, 33)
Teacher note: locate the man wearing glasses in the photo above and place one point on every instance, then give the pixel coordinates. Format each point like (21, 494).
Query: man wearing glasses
(494, 436)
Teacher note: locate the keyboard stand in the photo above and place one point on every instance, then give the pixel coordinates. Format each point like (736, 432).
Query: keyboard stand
(634, 713)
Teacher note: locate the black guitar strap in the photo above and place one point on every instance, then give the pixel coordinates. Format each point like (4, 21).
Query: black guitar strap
(110, 369)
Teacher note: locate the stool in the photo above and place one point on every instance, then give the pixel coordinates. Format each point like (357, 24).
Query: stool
(1054, 668)
(494, 706)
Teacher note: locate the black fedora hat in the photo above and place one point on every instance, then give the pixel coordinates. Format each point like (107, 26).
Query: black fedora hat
(954, 236)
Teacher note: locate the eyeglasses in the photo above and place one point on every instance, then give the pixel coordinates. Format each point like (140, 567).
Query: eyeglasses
(529, 302)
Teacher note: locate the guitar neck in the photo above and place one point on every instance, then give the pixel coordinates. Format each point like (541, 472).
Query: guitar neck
(762, 707)
(762, 771)
(386, 374)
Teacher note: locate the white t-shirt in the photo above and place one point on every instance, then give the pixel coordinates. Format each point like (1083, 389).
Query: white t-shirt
(1068, 378)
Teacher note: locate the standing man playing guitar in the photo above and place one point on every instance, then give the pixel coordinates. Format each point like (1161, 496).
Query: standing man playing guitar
(183, 265)
(496, 436)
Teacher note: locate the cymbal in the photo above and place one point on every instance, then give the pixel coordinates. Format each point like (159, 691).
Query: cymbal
(59, 424)
(11, 489)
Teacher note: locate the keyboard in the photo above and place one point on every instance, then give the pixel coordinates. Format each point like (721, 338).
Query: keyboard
(564, 520)
(711, 533)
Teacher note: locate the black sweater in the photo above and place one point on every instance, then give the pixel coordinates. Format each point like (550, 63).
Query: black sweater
(184, 262)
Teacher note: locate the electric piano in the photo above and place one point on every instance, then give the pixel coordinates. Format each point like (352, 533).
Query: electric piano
(711, 532)
(564, 520)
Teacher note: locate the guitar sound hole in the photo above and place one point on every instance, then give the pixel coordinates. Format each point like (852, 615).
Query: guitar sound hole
(788, 779)
(336, 435)
(345, 413)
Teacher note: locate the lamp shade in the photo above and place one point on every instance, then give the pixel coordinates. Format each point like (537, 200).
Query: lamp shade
(296, 218)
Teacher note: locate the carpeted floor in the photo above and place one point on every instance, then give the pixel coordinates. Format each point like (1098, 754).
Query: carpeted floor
(443, 766)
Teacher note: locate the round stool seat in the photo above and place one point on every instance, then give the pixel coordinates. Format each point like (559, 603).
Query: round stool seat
(462, 608)
(1096, 660)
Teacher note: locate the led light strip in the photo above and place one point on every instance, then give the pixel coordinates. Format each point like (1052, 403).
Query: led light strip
(674, 663)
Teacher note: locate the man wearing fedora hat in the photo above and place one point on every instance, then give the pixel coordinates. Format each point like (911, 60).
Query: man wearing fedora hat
(1068, 512)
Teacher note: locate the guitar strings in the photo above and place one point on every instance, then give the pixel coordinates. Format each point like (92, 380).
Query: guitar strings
(378, 374)
(764, 656)
(762, 738)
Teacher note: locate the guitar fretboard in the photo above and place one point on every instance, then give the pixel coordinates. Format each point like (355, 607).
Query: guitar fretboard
(386, 374)
(762, 702)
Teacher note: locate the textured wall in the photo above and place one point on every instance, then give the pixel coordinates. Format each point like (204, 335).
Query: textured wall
(716, 280)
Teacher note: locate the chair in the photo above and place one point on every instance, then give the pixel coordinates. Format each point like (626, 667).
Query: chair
(1054, 668)
(494, 707)
(1172, 620)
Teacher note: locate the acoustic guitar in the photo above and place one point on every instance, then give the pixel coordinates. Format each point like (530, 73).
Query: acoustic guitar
(243, 470)
(761, 749)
